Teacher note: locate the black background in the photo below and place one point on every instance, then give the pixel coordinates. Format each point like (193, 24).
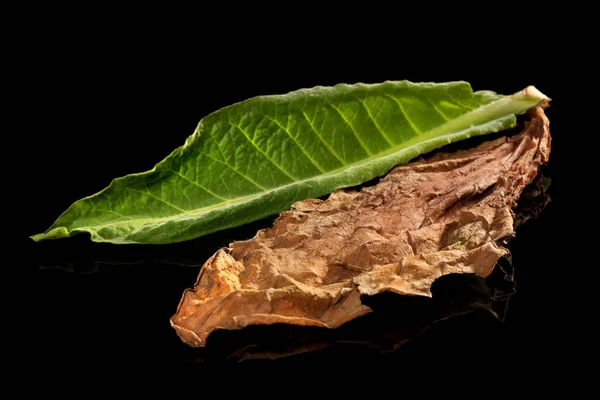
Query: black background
(95, 103)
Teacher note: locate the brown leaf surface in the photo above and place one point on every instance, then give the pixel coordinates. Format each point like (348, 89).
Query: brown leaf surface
(429, 218)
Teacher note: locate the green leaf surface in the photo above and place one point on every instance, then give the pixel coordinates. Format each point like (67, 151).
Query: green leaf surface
(257, 157)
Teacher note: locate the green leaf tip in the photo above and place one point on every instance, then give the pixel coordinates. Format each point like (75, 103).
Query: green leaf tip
(256, 158)
(55, 233)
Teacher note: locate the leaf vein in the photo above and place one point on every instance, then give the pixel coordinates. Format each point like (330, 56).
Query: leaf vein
(198, 185)
(412, 125)
(259, 150)
(458, 103)
(295, 141)
(327, 146)
(108, 211)
(387, 139)
(353, 130)
(233, 169)
(446, 119)
(157, 198)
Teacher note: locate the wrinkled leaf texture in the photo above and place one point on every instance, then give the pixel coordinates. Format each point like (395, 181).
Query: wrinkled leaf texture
(255, 158)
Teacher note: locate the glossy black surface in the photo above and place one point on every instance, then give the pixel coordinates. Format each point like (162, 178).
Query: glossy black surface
(121, 109)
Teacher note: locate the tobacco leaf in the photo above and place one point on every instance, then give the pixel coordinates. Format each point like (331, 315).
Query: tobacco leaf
(445, 215)
(255, 158)
(395, 320)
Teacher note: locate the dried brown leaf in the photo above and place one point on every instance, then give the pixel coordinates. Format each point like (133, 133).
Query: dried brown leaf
(448, 214)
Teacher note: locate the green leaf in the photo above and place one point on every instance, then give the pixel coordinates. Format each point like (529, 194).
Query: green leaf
(257, 157)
